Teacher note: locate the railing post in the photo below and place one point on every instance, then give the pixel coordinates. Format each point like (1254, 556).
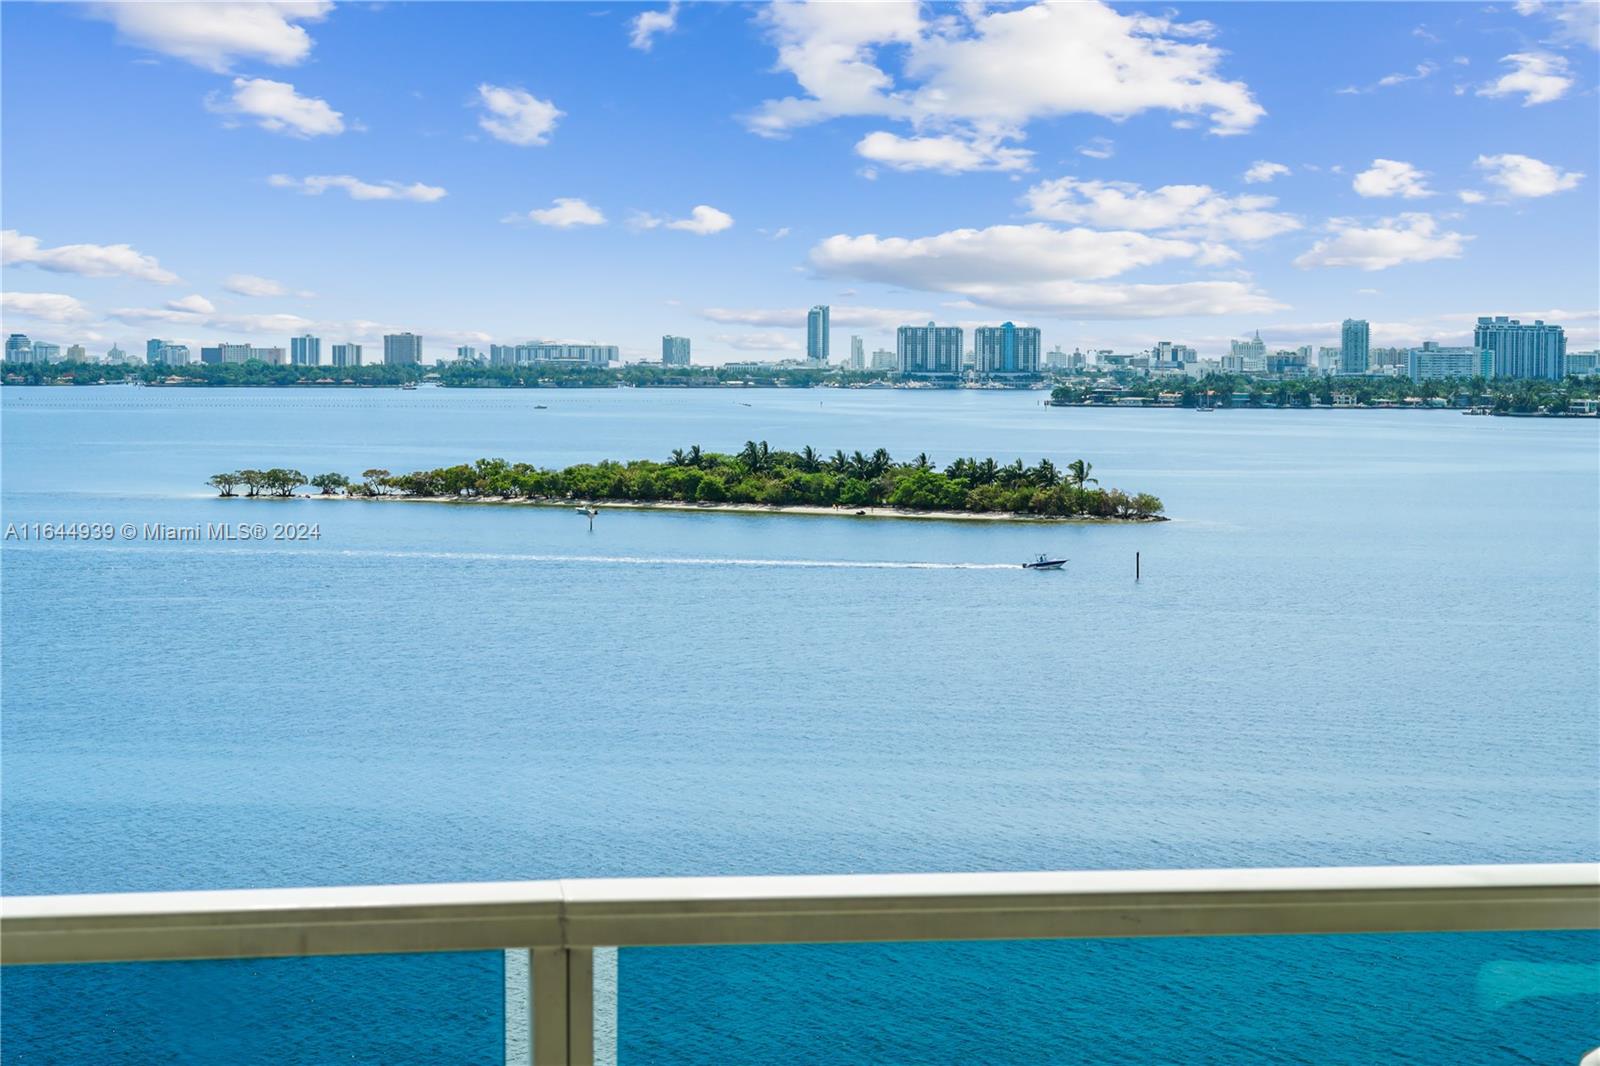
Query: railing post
(563, 1006)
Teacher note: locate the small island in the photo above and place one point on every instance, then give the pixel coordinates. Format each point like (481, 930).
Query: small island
(755, 478)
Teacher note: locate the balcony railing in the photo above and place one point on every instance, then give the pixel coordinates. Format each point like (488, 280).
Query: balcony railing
(561, 923)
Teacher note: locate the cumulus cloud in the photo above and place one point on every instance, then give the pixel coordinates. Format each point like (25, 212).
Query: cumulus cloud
(1570, 23)
(1524, 177)
(644, 26)
(1539, 76)
(251, 285)
(317, 184)
(1414, 237)
(564, 213)
(946, 153)
(704, 220)
(1391, 177)
(795, 317)
(90, 260)
(1037, 267)
(195, 304)
(44, 306)
(1181, 210)
(275, 106)
(1262, 171)
(1098, 148)
(1471, 196)
(982, 75)
(215, 34)
(516, 116)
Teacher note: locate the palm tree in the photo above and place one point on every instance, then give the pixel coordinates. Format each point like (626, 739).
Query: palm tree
(810, 460)
(1078, 472)
(860, 466)
(755, 457)
(839, 463)
(695, 455)
(1013, 473)
(1045, 475)
(678, 458)
(923, 463)
(881, 462)
(984, 473)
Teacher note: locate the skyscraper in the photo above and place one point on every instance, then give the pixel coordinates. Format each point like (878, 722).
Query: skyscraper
(77, 353)
(858, 354)
(1354, 344)
(19, 349)
(817, 334)
(402, 349)
(346, 355)
(674, 351)
(1523, 351)
(1006, 350)
(152, 350)
(45, 352)
(116, 355)
(305, 350)
(929, 351)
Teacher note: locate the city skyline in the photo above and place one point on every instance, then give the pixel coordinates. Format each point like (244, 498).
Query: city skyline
(490, 195)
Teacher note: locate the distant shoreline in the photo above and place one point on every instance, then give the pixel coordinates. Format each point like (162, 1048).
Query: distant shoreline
(736, 508)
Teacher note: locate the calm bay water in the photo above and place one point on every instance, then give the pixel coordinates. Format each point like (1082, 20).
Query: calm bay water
(1365, 638)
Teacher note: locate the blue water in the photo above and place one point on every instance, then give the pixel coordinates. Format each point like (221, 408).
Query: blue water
(1366, 637)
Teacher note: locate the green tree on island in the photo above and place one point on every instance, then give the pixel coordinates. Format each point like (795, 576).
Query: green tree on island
(223, 483)
(330, 484)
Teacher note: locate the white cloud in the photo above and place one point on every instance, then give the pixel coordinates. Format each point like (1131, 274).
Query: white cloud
(277, 107)
(1525, 177)
(45, 306)
(1422, 70)
(1182, 210)
(90, 260)
(1572, 23)
(1539, 76)
(564, 213)
(251, 285)
(1098, 148)
(1391, 177)
(516, 116)
(1409, 238)
(946, 153)
(646, 24)
(214, 34)
(703, 220)
(983, 75)
(317, 184)
(1261, 171)
(195, 304)
(795, 317)
(1471, 196)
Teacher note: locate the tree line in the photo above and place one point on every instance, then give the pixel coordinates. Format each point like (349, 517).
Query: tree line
(1507, 396)
(757, 473)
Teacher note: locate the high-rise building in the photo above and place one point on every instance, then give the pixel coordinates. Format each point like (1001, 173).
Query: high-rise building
(1583, 364)
(19, 349)
(928, 351)
(45, 352)
(116, 355)
(1355, 338)
(674, 351)
(305, 350)
(502, 354)
(591, 354)
(884, 359)
(346, 354)
(169, 354)
(402, 349)
(152, 350)
(466, 353)
(1248, 357)
(77, 353)
(1523, 351)
(1431, 362)
(858, 354)
(1007, 350)
(817, 334)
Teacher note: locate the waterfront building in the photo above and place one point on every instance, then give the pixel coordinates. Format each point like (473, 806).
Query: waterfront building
(1008, 351)
(77, 353)
(1285, 363)
(884, 359)
(305, 350)
(1583, 364)
(502, 354)
(169, 354)
(45, 352)
(152, 350)
(1248, 357)
(1355, 335)
(1431, 362)
(1523, 351)
(210, 353)
(858, 354)
(232, 353)
(402, 349)
(19, 349)
(466, 353)
(274, 356)
(928, 351)
(590, 354)
(817, 334)
(346, 354)
(116, 355)
(674, 351)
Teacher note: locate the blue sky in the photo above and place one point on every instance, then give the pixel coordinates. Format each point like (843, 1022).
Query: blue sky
(610, 172)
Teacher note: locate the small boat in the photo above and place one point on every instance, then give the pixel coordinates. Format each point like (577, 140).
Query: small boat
(1044, 562)
(408, 386)
(540, 407)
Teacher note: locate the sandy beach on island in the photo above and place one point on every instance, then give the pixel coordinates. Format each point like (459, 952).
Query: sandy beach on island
(735, 508)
